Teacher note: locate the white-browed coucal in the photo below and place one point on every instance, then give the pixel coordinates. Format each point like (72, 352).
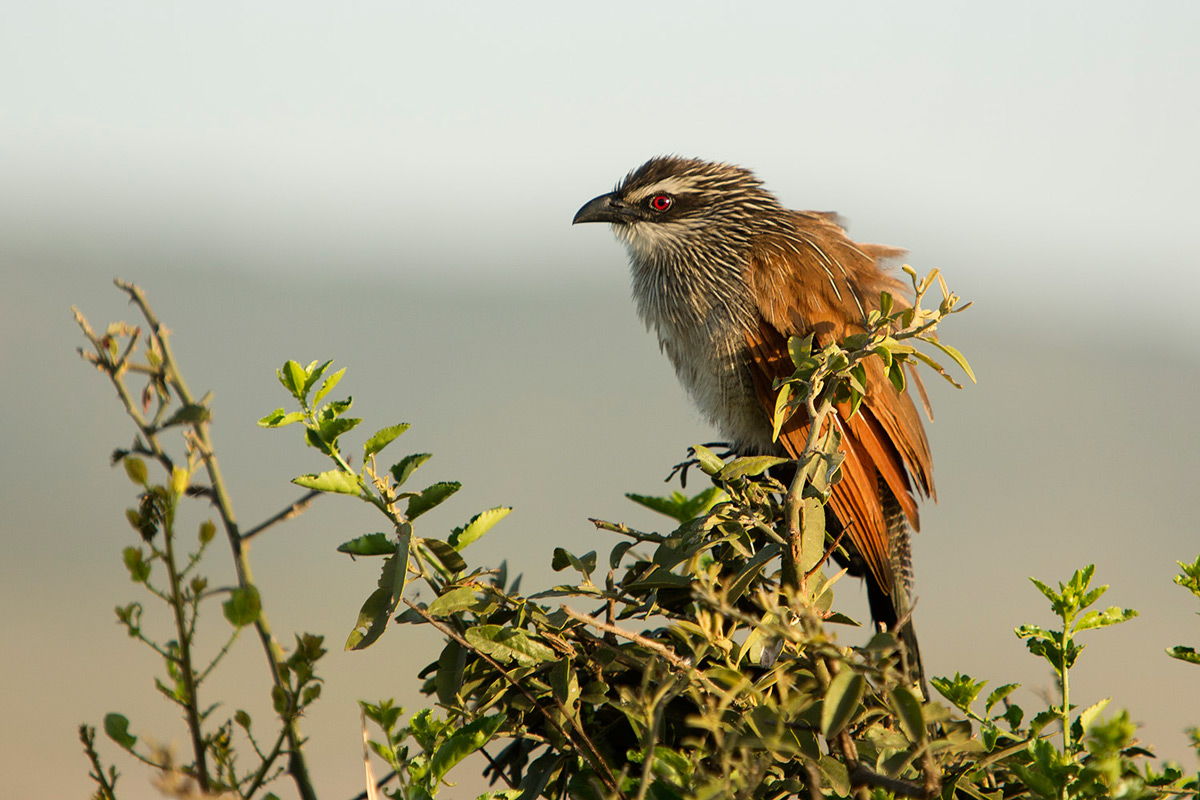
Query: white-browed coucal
(724, 274)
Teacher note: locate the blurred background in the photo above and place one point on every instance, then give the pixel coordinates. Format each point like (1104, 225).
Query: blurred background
(391, 185)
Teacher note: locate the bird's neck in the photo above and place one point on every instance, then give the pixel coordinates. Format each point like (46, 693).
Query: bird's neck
(682, 291)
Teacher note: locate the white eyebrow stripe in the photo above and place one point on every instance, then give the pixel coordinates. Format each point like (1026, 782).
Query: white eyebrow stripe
(673, 185)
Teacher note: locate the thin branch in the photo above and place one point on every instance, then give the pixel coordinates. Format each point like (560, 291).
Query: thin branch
(664, 651)
(667, 653)
(297, 766)
(814, 780)
(107, 783)
(233, 637)
(291, 512)
(186, 667)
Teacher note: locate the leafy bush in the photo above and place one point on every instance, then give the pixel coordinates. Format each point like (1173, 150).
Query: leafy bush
(697, 663)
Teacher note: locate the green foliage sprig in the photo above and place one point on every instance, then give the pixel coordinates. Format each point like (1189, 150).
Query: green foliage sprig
(436, 561)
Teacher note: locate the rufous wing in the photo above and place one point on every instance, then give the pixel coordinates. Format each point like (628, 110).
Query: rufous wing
(822, 283)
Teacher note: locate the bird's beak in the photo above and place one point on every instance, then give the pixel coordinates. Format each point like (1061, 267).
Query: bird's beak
(605, 208)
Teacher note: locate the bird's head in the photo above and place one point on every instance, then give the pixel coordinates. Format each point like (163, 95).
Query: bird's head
(670, 206)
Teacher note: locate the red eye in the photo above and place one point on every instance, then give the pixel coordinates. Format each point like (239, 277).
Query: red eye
(661, 202)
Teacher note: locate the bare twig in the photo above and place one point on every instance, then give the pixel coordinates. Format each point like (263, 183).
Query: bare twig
(291, 512)
(107, 782)
(166, 374)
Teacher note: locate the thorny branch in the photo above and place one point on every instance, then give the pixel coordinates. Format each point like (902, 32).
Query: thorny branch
(166, 374)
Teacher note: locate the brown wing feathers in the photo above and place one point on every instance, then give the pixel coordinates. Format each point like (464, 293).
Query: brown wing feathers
(822, 282)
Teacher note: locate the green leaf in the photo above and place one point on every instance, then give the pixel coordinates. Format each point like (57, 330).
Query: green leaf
(837, 775)
(451, 663)
(377, 610)
(313, 373)
(885, 303)
(463, 742)
(335, 408)
(479, 524)
(671, 506)
(431, 497)
(1088, 716)
(328, 385)
(858, 377)
(896, 375)
(1182, 653)
(116, 727)
(1102, 619)
(1041, 720)
(751, 570)
(372, 620)
(709, 461)
(842, 701)
(136, 563)
(1035, 781)
(407, 465)
(618, 553)
(135, 468)
(243, 607)
(292, 376)
(333, 427)
(909, 714)
(369, 544)
(1036, 632)
(954, 354)
(748, 466)
(998, 694)
(335, 480)
(460, 599)
(800, 349)
(812, 534)
(885, 356)
(279, 417)
(584, 565)
(961, 690)
(444, 554)
(659, 577)
(856, 400)
(382, 438)
(509, 644)
(1013, 716)
(189, 415)
(725, 677)
(1091, 596)
(313, 439)
(782, 413)
(1051, 595)
(565, 682)
(1189, 576)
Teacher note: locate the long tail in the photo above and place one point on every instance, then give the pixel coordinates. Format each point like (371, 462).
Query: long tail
(901, 591)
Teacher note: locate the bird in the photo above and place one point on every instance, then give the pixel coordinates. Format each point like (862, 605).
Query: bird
(724, 274)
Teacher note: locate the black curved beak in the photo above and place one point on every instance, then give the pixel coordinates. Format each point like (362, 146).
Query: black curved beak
(605, 208)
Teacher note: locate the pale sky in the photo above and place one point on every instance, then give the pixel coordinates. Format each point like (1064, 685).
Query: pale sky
(391, 185)
(1032, 143)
